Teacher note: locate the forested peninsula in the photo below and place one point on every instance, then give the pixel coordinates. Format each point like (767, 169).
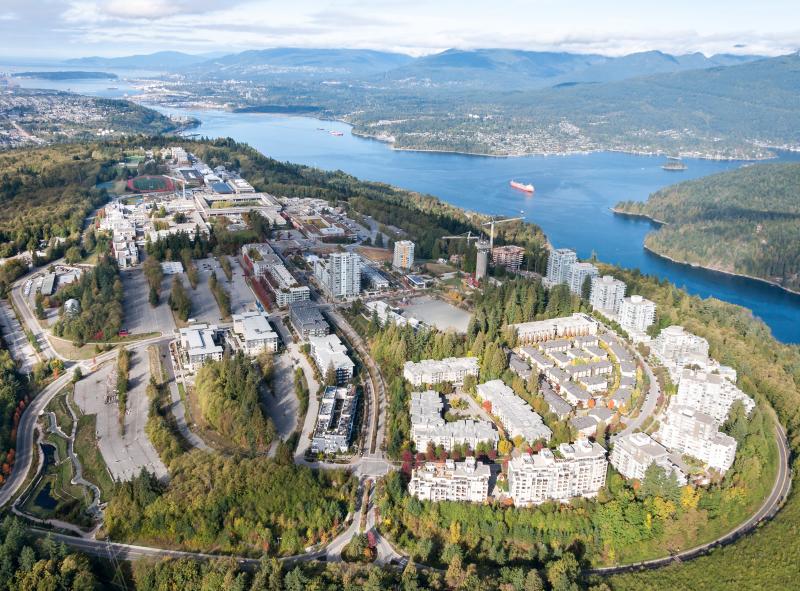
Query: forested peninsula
(745, 222)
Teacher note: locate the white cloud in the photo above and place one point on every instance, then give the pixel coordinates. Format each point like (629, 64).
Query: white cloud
(119, 27)
(103, 10)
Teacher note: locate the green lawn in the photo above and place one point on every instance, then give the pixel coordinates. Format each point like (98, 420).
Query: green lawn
(94, 468)
(58, 405)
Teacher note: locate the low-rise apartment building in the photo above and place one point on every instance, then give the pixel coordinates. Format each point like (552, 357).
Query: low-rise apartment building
(451, 481)
(254, 332)
(519, 419)
(431, 371)
(689, 431)
(307, 320)
(577, 470)
(198, 343)
(373, 278)
(544, 330)
(334, 429)
(268, 266)
(508, 256)
(329, 352)
(428, 426)
(634, 453)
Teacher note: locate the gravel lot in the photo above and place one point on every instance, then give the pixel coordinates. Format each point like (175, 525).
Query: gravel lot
(437, 313)
(140, 316)
(283, 406)
(125, 455)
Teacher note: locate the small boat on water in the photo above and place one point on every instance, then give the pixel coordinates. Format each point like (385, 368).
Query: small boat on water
(674, 164)
(522, 187)
(337, 133)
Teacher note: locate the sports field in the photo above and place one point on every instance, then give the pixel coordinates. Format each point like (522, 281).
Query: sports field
(150, 184)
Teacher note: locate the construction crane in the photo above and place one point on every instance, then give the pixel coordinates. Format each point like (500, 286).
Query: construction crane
(491, 223)
(181, 181)
(466, 236)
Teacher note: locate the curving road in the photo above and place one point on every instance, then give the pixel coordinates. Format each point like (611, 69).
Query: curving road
(649, 404)
(25, 444)
(113, 550)
(779, 493)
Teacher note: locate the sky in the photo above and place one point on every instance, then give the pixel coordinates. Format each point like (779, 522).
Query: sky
(75, 28)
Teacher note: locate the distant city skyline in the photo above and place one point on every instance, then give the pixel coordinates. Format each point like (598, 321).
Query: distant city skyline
(75, 28)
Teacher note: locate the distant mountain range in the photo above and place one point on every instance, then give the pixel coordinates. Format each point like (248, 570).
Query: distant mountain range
(508, 102)
(513, 69)
(754, 100)
(302, 62)
(67, 75)
(161, 61)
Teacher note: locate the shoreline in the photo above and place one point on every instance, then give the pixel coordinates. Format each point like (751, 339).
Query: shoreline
(391, 141)
(651, 250)
(644, 216)
(633, 152)
(715, 270)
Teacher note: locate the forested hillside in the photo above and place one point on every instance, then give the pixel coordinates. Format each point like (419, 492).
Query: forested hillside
(744, 221)
(47, 192)
(232, 505)
(229, 393)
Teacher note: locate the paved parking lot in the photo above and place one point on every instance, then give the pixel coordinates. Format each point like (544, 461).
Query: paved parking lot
(140, 316)
(242, 297)
(14, 337)
(124, 454)
(204, 306)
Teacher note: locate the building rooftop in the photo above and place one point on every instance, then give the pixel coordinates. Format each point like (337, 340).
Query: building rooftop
(253, 326)
(518, 418)
(581, 423)
(307, 312)
(643, 448)
(557, 404)
(442, 365)
(536, 357)
(330, 351)
(199, 340)
(601, 413)
(469, 468)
